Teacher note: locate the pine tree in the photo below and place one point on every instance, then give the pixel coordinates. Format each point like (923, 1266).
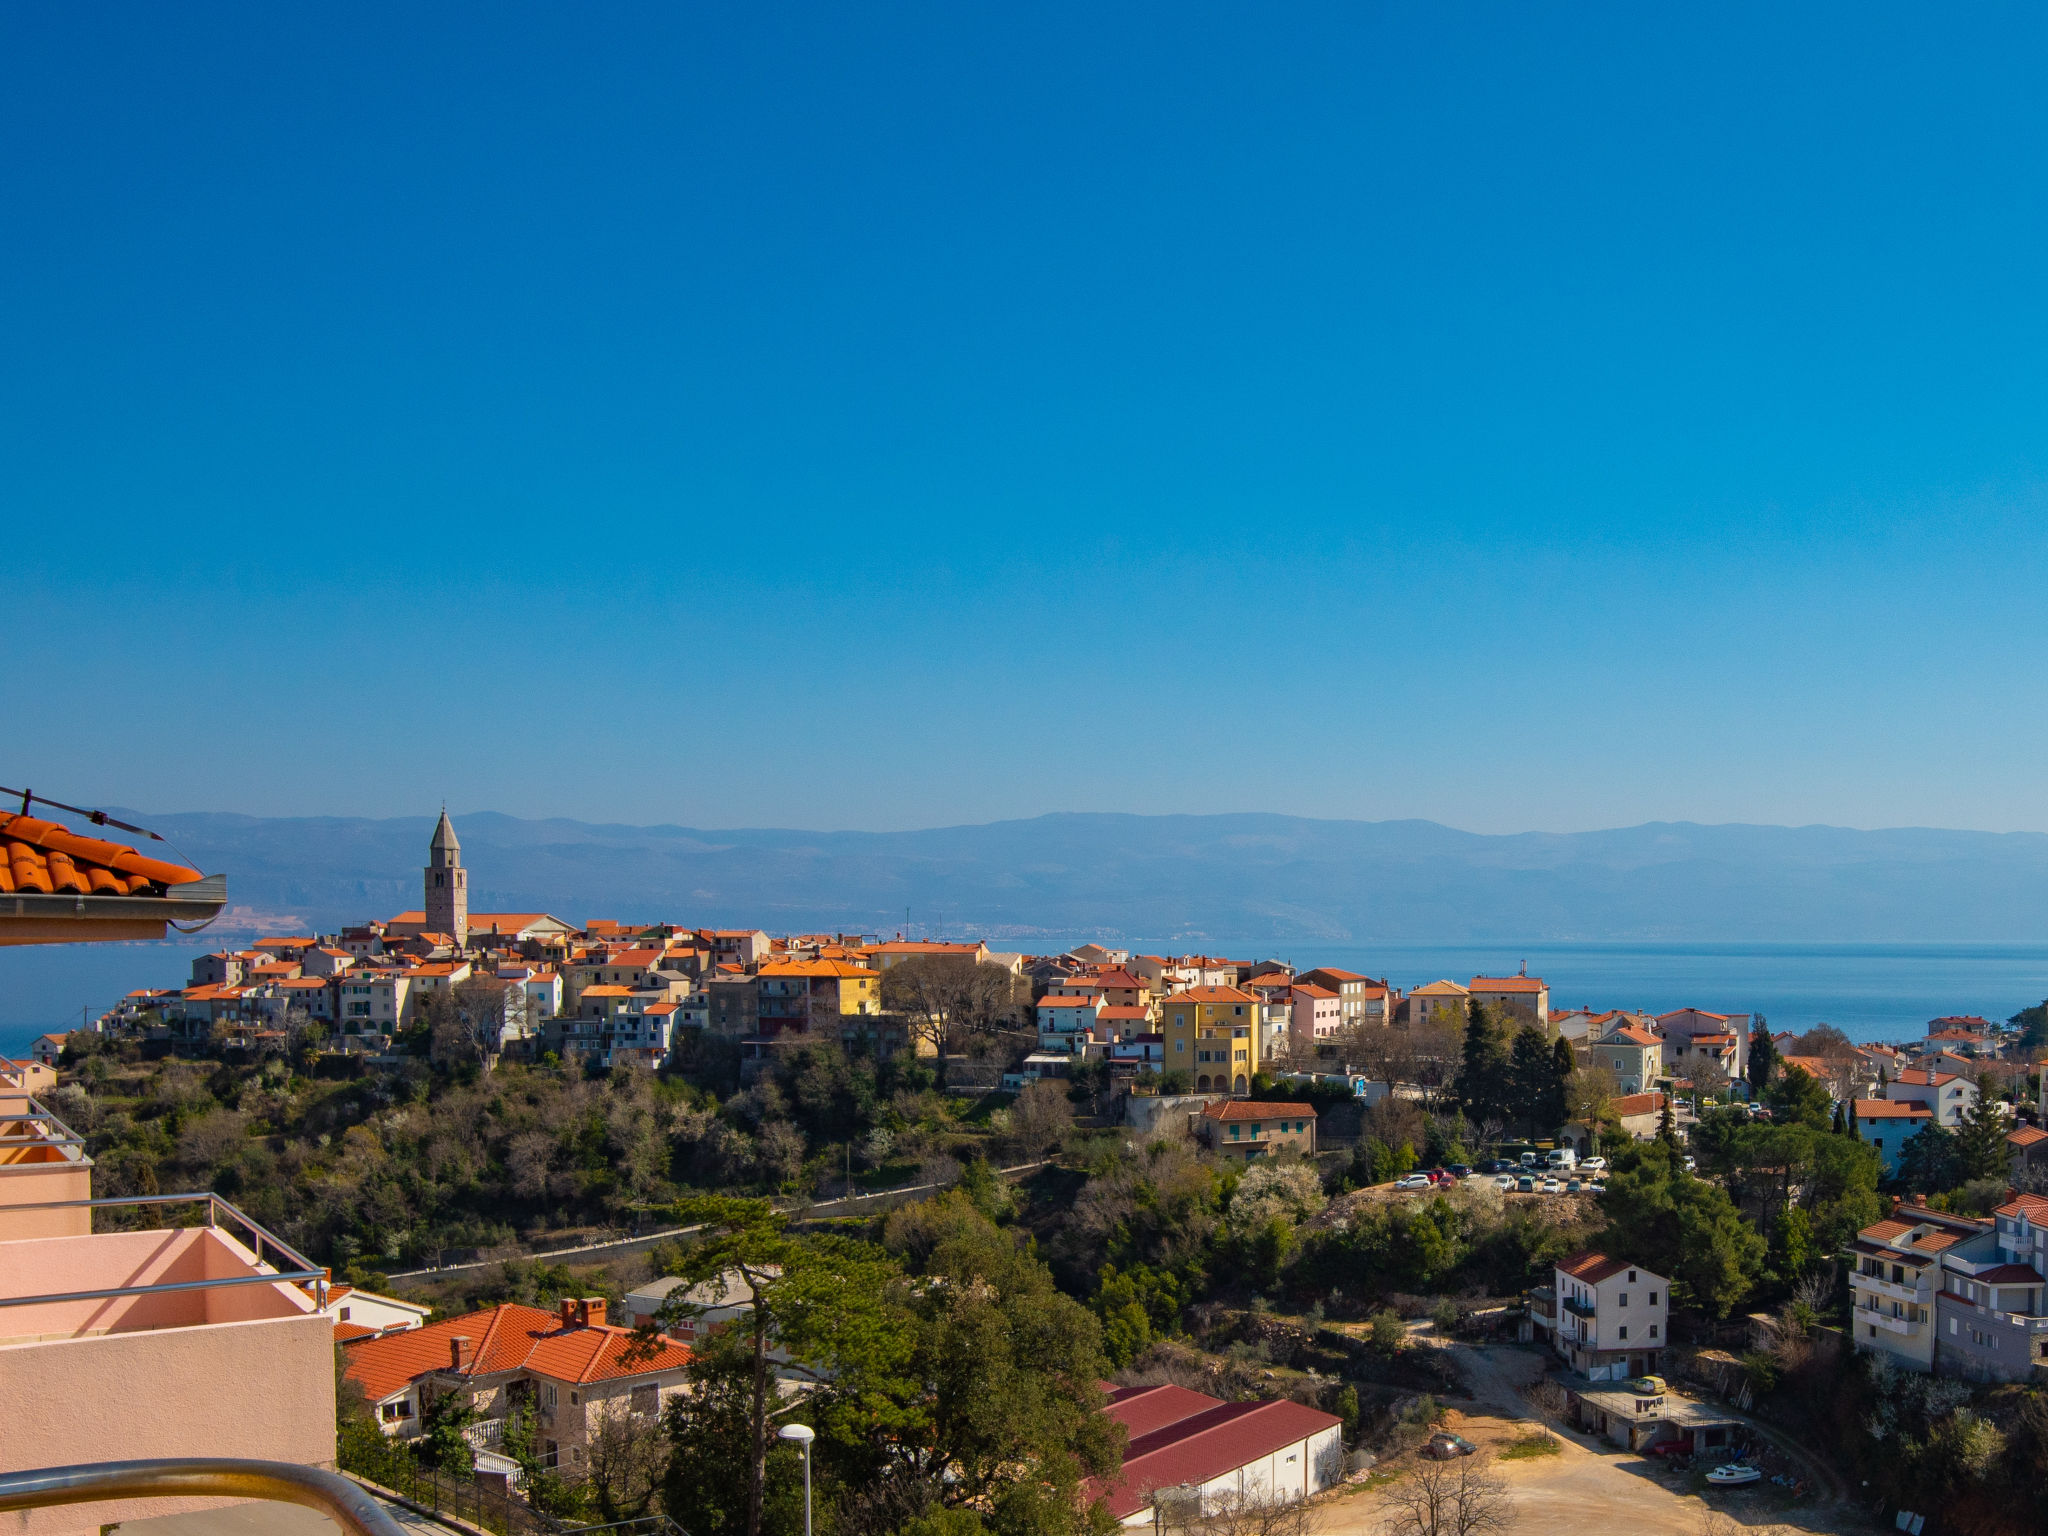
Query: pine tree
(1838, 1120)
(1535, 1096)
(1667, 1128)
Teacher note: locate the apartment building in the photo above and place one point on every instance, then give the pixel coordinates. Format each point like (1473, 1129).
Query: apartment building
(1213, 1034)
(1947, 1096)
(1361, 1000)
(1064, 1020)
(1954, 1294)
(1315, 1012)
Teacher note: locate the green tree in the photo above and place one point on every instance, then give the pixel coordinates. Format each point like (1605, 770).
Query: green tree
(1796, 1097)
(1928, 1163)
(1533, 1087)
(1485, 1084)
(1685, 1228)
(1002, 1412)
(441, 1443)
(1981, 1151)
(827, 1303)
(1763, 1057)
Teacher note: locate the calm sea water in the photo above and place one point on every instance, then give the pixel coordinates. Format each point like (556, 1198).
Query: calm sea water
(1873, 991)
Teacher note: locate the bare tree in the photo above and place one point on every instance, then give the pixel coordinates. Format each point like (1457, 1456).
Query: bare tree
(1460, 1497)
(1591, 1094)
(930, 991)
(627, 1457)
(472, 1024)
(1255, 1512)
(1703, 1077)
(1040, 1119)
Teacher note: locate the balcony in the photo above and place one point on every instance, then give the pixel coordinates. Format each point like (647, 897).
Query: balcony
(1916, 1290)
(170, 1341)
(1906, 1327)
(1578, 1308)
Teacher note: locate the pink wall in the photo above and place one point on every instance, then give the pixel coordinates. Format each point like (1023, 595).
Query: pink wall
(45, 1266)
(27, 1184)
(251, 1389)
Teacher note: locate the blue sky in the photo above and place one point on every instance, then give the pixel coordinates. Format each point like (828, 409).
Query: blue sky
(883, 416)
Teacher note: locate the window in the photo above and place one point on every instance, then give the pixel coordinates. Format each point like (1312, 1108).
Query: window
(1653, 1298)
(1623, 1332)
(1653, 1330)
(549, 1396)
(1631, 1277)
(646, 1398)
(1624, 1299)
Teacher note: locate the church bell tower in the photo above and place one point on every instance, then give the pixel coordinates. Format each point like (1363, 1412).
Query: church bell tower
(447, 885)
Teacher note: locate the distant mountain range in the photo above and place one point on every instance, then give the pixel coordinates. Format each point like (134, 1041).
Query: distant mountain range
(1245, 879)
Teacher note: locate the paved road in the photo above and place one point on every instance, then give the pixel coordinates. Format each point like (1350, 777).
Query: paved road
(1587, 1489)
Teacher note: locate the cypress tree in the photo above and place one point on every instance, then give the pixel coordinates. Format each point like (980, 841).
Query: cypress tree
(1763, 1057)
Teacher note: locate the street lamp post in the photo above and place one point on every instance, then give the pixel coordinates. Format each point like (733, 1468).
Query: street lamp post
(803, 1435)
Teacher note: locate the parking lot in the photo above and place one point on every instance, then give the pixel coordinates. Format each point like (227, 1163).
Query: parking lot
(1586, 1489)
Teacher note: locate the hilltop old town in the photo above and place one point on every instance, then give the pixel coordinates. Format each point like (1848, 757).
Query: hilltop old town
(530, 1224)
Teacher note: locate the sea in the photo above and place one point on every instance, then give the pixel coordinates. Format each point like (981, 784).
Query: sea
(1870, 991)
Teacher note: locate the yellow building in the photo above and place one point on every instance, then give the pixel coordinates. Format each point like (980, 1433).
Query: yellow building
(1212, 1034)
(1441, 1002)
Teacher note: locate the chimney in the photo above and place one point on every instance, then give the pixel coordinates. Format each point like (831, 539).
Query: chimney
(568, 1313)
(458, 1352)
(593, 1311)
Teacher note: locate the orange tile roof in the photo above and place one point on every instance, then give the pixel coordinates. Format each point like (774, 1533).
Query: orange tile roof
(1244, 1109)
(43, 857)
(508, 1337)
(1635, 1035)
(2033, 1207)
(2027, 1136)
(1506, 984)
(1212, 995)
(1321, 994)
(1123, 1012)
(823, 968)
(1632, 1104)
(1589, 1267)
(1921, 1079)
(607, 990)
(1066, 1002)
(1888, 1109)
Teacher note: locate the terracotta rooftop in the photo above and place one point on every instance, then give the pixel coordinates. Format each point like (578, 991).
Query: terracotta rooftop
(1212, 995)
(1887, 1109)
(1506, 984)
(508, 1337)
(1590, 1268)
(1244, 1109)
(44, 857)
(2033, 1207)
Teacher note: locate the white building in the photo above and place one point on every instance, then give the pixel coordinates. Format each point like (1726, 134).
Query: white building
(1218, 1452)
(1946, 1096)
(1063, 1020)
(1608, 1320)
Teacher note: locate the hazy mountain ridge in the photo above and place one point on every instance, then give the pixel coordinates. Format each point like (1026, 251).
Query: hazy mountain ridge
(1248, 877)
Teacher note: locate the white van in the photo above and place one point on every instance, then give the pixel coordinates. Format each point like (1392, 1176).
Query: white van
(1563, 1157)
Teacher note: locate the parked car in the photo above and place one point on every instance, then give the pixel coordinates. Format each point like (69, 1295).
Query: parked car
(1592, 1165)
(1596, 1189)
(1526, 1184)
(1649, 1386)
(1573, 1186)
(1439, 1176)
(1529, 1159)
(1505, 1181)
(1459, 1171)
(1670, 1450)
(1552, 1187)
(1443, 1445)
(1415, 1181)
(1494, 1165)
(1735, 1474)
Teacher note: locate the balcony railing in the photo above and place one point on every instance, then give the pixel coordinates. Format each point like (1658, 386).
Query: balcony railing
(348, 1506)
(1579, 1308)
(299, 1269)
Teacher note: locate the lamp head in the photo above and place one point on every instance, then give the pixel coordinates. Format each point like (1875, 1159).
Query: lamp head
(802, 1434)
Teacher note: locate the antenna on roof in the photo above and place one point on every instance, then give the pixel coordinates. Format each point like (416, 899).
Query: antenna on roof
(97, 818)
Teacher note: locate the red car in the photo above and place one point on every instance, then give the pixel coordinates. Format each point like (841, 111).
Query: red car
(1670, 1450)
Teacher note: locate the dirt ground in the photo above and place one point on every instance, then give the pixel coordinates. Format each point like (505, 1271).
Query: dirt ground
(1588, 1488)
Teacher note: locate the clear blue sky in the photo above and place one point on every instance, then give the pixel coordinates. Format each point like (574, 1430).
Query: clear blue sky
(879, 416)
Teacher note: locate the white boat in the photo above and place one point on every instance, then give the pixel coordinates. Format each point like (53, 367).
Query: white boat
(1735, 1474)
